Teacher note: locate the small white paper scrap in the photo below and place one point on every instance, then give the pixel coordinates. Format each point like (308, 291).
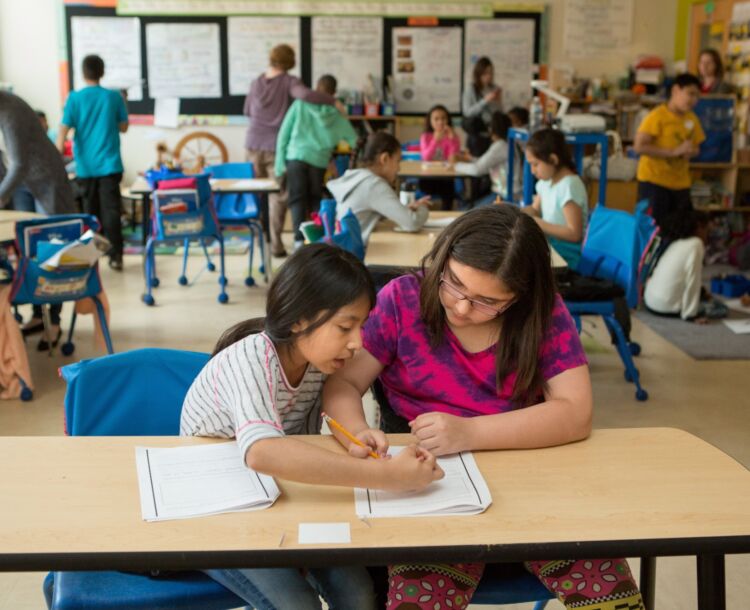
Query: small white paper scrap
(167, 112)
(322, 533)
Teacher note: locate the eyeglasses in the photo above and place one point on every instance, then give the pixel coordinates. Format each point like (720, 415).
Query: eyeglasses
(483, 308)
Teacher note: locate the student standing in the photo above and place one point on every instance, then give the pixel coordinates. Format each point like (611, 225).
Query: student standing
(308, 136)
(478, 352)
(368, 190)
(560, 205)
(266, 104)
(97, 117)
(667, 139)
(711, 72)
(262, 386)
(481, 99)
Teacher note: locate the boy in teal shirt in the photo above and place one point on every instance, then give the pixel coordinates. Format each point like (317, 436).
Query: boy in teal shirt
(97, 116)
(308, 136)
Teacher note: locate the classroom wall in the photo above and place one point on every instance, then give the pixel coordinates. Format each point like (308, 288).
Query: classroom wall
(29, 57)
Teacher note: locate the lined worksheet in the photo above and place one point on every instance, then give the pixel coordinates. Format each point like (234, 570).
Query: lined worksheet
(463, 491)
(183, 482)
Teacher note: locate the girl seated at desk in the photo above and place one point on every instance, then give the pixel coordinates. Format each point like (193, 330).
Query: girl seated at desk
(439, 143)
(560, 205)
(368, 190)
(478, 352)
(262, 386)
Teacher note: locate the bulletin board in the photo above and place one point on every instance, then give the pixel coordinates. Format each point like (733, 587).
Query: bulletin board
(209, 61)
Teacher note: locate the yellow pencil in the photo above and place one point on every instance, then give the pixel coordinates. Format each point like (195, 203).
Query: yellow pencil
(334, 424)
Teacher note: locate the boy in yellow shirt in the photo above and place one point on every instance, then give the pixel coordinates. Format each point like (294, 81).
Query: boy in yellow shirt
(667, 139)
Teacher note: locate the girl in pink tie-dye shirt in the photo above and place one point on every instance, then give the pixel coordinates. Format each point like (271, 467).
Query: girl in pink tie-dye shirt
(478, 352)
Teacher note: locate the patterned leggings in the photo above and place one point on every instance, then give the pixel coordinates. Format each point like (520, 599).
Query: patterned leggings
(584, 584)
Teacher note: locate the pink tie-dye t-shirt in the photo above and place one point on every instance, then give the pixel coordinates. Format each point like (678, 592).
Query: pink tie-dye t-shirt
(419, 379)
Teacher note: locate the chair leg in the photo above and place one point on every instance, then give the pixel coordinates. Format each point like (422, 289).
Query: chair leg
(47, 323)
(223, 297)
(149, 271)
(541, 605)
(209, 262)
(249, 281)
(623, 349)
(264, 262)
(182, 280)
(105, 326)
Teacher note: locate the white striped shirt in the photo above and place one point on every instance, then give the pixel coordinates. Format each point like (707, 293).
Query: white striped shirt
(243, 392)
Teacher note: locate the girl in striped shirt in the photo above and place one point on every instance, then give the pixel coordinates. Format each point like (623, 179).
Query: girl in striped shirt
(263, 385)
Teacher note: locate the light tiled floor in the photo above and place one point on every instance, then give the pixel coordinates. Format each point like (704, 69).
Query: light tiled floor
(707, 398)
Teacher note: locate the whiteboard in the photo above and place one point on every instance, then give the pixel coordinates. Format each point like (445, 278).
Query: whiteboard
(427, 68)
(117, 40)
(184, 60)
(509, 43)
(250, 40)
(597, 27)
(349, 48)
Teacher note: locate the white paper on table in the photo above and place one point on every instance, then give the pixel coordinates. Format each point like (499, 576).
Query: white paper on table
(83, 252)
(183, 482)
(738, 327)
(167, 112)
(737, 305)
(324, 533)
(249, 184)
(438, 223)
(463, 491)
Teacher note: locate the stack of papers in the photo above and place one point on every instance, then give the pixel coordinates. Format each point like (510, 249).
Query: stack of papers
(184, 482)
(82, 253)
(463, 491)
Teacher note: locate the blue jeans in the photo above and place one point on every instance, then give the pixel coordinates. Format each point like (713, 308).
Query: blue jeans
(23, 201)
(342, 588)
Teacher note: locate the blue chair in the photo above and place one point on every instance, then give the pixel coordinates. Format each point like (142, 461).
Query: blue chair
(240, 209)
(615, 241)
(198, 222)
(103, 400)
(34, 285)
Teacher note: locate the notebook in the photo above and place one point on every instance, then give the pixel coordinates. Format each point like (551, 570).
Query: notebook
(463, 491)
(184, 482)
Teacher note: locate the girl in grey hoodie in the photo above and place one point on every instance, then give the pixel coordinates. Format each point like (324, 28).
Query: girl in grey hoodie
(369, 193)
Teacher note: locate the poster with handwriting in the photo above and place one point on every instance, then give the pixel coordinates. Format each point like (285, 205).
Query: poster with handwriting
(349, 48)
(250, 40)
(117, 40)
(509, 43)
(427, 68)
(597, 27)
(184, 60)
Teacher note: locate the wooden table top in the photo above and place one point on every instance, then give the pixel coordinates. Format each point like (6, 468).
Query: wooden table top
(73, 502)
(428, 169)
(228, 185)
(387, 246)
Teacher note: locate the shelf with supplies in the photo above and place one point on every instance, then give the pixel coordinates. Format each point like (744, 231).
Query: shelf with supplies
(721, 187)
(372, 123)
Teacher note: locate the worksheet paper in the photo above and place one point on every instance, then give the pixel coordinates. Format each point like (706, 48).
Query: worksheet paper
(117, 40)
(463, 491)
(250, 40)
(184, 482)
(349, 48)
(184, 60)
(738, 327)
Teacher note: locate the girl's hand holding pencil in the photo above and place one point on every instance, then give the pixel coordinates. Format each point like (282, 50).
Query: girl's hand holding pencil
(368, 442)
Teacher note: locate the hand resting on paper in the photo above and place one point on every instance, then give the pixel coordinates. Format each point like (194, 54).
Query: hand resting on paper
(440, 433)
(412, 469)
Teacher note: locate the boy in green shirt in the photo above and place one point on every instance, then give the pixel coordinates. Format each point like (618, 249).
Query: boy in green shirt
(308, 136)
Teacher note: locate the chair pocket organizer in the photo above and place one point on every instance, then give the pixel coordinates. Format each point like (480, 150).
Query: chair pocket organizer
(40, 286)
(178, 214)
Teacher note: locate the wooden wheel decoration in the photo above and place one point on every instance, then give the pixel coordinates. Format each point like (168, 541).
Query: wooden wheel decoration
(199, 150)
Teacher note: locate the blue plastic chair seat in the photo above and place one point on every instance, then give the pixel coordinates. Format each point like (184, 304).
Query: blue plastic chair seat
(124, 591)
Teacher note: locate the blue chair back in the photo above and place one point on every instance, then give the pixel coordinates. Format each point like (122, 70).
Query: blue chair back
(614, 242)
(129, 394)
(234, 206)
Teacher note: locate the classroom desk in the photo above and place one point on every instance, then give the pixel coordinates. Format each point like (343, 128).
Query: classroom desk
(429, 169)
(400, 249)
(258, 186)
(8, 220)
(72, 503)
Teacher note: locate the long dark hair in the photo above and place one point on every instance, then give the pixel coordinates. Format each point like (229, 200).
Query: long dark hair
(428, 125)
(714, 54)
(476, 76)
(500, 124)
(369, 150)
(510, 245)
(547, 142)
(313, 284)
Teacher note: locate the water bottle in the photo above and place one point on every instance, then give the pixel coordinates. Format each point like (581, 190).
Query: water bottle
(408, 194)
(535, 115)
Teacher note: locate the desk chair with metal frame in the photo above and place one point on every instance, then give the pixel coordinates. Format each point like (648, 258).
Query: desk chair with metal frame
(241, 209)
(103, 400)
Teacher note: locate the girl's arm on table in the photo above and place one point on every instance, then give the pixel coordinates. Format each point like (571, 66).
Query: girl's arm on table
(563, 417)
(342, 400)
(295, 460)
(572, 230)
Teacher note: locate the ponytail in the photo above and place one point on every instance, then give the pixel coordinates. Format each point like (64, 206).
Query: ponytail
(238, 332)
(370, 149)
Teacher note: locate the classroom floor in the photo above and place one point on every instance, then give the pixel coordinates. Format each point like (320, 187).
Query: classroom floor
(707, 398)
